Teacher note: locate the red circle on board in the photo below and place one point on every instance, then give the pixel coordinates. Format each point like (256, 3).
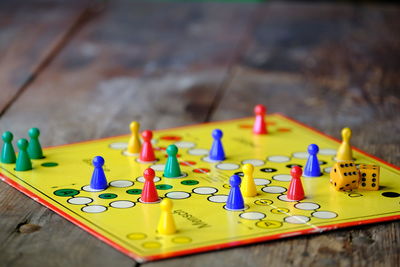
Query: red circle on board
(177, 155)
(171, 138)
(188, 163)
(245, 126)
(283, 130)
(201, 170)
(160, 148)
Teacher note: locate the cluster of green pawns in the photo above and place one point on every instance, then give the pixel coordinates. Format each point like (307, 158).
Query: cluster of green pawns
(27, 151)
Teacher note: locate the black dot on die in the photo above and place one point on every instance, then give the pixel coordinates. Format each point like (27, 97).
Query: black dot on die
(345, 174)
(390, 194)
(353, 181)
(363, 184)
(351, 164)
(364, 174)
(347, 165)
(374, 175)
(341, 165)
(354, 173)
(347, 184)
(334, 169)
(363, 179)
(373, 180)
(373, 185)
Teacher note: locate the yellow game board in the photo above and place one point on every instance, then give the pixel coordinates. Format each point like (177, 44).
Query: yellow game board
(60, 181)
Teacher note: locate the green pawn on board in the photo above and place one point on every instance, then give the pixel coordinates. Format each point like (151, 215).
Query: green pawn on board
(23, 161)
(34, 148)
(7, 152)
(172, 168)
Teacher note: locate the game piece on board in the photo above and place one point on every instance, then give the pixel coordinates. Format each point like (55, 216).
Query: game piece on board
(260, 127)
(295, 191)
(235, 200)
(248, 185)
(369, 175)
(344, 175)
(172, 168)
(23, 161)
(312, 168)
(134, 145)
(34, 147)
(217, 150)
(166, 223)
(7, 151)
(149, 192)
(98, 181)
(147, 152)
(344, 152)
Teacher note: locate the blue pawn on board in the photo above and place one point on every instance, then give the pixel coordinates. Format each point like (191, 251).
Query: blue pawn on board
(312, 168)
(99, 181)
(217, 150)
(235, 199)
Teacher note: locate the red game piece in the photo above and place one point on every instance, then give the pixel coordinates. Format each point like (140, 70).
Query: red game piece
(295, 191)
(147, 152)
(260, 126)
(149, 192)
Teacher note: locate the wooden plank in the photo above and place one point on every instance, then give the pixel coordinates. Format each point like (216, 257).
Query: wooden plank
(29, 34)
(303, 62)
(159, 63)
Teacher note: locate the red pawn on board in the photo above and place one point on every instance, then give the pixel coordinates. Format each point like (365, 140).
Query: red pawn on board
(260, 127)
(149, 192)
(147, 152)
(295, 191)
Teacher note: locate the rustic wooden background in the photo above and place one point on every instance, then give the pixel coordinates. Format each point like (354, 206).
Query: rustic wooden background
(84, 69)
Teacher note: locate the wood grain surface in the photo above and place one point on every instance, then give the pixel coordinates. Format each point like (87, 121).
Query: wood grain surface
(172, 64)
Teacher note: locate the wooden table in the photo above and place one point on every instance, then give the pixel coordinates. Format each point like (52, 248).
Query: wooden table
(83, 70)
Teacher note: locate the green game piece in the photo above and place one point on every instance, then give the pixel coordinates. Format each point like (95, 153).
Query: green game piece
(34, 148)
(7, 152)
(172, 168)
(23, 161)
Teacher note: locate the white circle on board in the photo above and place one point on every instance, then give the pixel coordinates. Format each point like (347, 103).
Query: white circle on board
(177, 195)
(158, 167)
(207, 159)
(80, 200)
(278, 159)
(307, 206)
(205, 190)
(297, 219)
(185, 144)
(227, 166)
(87, 188)
(198, 152)
(154, 141)
(122, 204)
(261, 181)
(282, 177)
(126, 153)
(118, 145)
(94, 209)
(324, 214)
(254, 162)
(285, 198)
(140, 179)
(327, 169)
(252, 215)
(327, 151)
(300, 155)
(218, 198)
(121, 183)
(274, 189)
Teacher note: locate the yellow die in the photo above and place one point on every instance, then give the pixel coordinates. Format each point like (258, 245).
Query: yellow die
(369, 177)
(344, 175)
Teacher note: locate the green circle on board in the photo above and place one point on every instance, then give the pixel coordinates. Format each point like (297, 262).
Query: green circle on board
(190, 182)
(134, 191)
(50, 164)
(66, 192)
(107, 196)
(163, 186)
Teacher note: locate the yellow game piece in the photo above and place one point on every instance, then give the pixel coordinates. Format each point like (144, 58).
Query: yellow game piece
(134, 145)
(248, 186)
(344, 152)
(166, 224)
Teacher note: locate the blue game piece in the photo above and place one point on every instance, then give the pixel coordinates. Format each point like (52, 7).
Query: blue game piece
(99, 181)
(235, 199)
(312, 168)
(217, 150)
